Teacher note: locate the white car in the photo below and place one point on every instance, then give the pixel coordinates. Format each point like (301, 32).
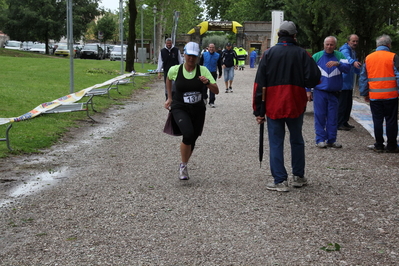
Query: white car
(27, 45)
(39, 48)
(13, 45)
(116, 53)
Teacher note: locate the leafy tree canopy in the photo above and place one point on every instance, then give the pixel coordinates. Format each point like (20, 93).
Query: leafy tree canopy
(42, 20)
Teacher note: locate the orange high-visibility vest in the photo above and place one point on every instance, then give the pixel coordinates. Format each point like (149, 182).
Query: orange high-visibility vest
(381, 76)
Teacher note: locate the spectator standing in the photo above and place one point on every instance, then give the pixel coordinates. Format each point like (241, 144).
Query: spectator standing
(252, 58)
(346, 95)
(211, 60)
(283, 73)
(168, 56)
(229, 64)
(332, 64)
(379, 84)
(186, 104)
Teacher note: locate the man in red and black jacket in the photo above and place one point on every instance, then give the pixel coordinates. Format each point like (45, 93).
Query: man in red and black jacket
(284, 71)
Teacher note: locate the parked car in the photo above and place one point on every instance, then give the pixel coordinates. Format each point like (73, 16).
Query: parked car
(116, 53)
(40, 48)
(93, 51)
(26, 46)
(13, 45)
(110, 47)
(62, 49)
(77, 48)
(108, 50)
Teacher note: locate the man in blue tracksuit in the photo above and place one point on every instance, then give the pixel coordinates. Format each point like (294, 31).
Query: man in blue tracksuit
(326, 94)
(252, 58)
(345, 97)
(211, 60)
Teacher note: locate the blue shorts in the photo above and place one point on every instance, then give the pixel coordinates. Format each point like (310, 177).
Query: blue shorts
(228, 73)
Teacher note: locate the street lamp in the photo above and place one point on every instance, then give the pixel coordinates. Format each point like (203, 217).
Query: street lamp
(70, 44)
(154, 10)
(144, 6)
(121, 32)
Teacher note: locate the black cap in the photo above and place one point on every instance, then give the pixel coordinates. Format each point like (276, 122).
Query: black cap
(228, 44)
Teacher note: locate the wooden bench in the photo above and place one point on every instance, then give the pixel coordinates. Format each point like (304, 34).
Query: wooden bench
(7, 139)
(74, 107)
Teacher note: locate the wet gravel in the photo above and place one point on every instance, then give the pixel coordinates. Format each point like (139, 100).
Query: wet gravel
(108, 194)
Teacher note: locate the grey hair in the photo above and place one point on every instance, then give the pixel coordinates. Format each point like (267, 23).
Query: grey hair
(384, 40)
(349, 37)
(335, 39)
(168, 39)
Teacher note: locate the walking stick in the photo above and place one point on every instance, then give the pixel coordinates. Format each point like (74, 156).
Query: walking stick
(262, 127)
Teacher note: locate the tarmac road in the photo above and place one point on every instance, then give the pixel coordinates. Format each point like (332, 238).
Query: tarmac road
(111, 195)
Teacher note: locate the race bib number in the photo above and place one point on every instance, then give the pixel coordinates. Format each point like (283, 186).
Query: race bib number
(192, 97)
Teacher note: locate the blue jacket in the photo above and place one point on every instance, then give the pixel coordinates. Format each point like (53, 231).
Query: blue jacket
(211, 62)
(363, 80)
(331, 78)
(348, 78)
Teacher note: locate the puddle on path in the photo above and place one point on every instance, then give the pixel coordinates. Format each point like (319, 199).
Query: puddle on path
(35, 184)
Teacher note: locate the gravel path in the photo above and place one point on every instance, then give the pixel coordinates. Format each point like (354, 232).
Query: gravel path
(110, 195)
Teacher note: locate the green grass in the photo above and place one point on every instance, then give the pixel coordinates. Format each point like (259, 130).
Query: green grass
(28, 80)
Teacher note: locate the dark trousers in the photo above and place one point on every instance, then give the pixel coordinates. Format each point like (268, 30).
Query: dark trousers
(345, 107)
(388, 110)
(211, 94)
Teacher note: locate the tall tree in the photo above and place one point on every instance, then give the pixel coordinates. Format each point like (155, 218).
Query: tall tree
(242, 10)
(107, 25)
(316, 18)
(367, 18)
(42, 20)
(190, 12)
(84, 12)
(34, 20)
(131, 40)
(3, 13)
(190, 15)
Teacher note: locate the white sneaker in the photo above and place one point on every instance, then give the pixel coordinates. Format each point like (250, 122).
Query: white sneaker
(212, 105)
(321, 145)
(183, 172)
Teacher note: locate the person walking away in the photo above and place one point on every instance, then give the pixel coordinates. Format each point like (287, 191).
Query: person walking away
(346, 95)
(211, 60)
(332, 64)
(283, 73)
(252, 58)
(379, 84)
(168, 56)
(186, 105)
(241, 57)
(229, 64)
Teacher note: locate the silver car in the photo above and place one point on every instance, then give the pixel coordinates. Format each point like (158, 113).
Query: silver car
(13, 45)
(116, 53)
(40, 48)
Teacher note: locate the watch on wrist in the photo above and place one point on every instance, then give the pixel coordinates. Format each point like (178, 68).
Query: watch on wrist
(209, 82)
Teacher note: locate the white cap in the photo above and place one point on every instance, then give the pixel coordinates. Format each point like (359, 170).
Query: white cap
(192, 48)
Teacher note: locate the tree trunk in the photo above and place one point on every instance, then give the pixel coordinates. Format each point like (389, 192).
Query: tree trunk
(131, 41)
